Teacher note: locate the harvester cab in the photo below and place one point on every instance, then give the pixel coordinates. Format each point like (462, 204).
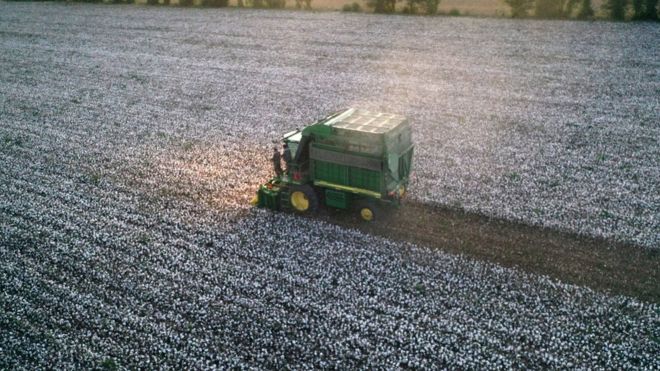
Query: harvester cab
(352, 159)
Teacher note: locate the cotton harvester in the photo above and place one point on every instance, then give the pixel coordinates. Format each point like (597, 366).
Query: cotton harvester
(352, 159)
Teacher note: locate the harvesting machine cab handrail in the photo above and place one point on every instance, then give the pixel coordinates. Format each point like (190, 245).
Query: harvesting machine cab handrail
(351, 159)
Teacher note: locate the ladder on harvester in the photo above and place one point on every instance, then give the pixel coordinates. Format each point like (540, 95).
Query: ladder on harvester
(285, 199)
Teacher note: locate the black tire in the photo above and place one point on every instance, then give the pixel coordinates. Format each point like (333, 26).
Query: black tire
(303, 199)
(368, 210)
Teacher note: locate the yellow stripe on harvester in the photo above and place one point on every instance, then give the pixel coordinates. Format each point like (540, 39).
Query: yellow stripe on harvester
(340, 187)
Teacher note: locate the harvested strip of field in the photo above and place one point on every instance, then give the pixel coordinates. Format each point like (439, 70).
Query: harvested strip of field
(603, 265)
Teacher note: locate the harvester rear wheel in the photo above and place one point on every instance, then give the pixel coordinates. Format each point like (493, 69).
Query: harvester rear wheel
(368, 211)
(303, 199)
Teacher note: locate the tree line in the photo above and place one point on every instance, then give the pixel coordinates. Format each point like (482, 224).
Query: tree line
(225, 3)
(618, 10)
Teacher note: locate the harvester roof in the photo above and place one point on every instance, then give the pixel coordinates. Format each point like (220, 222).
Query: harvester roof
(368, 122)
(365, 121)
(358, 130)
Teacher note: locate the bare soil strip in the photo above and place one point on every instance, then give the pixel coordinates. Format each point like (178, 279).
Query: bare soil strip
(600, 264)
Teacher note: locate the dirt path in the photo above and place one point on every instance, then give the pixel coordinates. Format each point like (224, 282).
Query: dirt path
(596, 263)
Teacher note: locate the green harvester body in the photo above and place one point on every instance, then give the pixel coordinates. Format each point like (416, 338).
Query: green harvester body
(353, 158)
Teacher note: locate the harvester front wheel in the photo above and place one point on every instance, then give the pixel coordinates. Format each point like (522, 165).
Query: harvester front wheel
(303, 199)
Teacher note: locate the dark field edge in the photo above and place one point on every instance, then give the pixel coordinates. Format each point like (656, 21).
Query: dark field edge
(601, 264)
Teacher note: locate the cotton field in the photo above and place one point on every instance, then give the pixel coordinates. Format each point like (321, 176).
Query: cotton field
(132, 138)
